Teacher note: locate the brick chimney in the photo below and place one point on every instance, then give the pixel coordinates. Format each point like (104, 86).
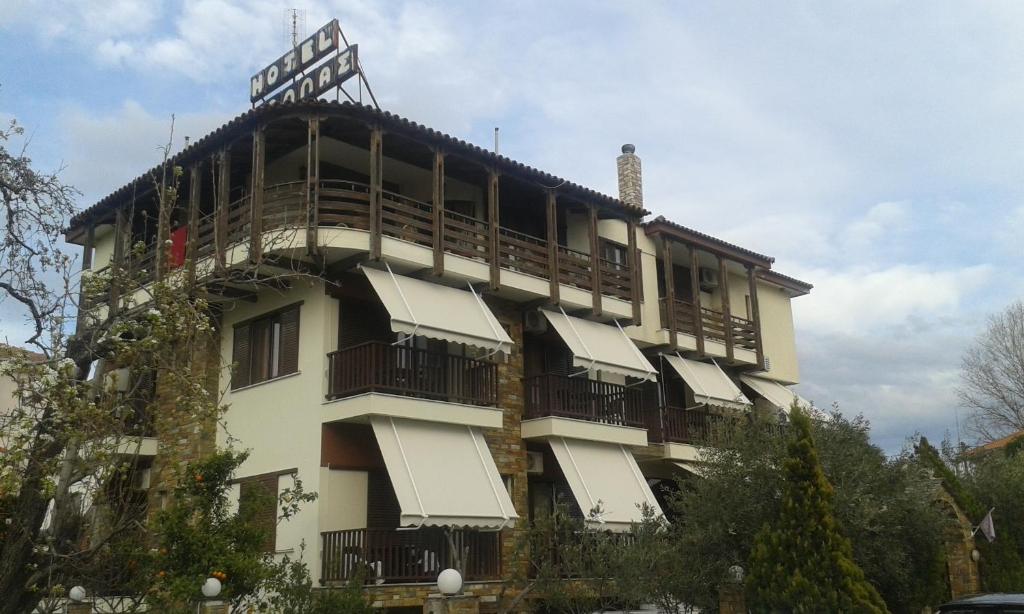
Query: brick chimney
(631, 189)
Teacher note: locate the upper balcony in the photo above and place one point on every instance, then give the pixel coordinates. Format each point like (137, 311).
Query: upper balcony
(324, 188)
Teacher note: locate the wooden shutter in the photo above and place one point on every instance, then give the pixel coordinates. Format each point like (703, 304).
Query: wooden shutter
(241, 356)
(362, 321)
(382, 511)
(257, 504)
(288, 354)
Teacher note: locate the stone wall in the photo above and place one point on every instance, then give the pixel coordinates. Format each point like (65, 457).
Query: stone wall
(961, 566)
(183, 441)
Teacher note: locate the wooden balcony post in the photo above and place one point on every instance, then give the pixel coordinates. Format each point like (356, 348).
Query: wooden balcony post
(438, 211)
(222, 198)
(755, 315)
(163, 224)
(195, 183)
(312, 193)
(670, 292)
(595, 259)
(635, 279)
(90, 240)
(117, 265)
(259, 141)
(723, 289)
(698, 314)
(495, 221)
(552, 232)
(376, 189)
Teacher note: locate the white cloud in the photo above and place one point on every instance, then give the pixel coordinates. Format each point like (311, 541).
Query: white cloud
(868, 302)
(101, 159)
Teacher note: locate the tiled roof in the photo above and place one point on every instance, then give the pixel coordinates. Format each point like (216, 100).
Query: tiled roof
(653, 225)
(995, 445)
(6, 351)
(365, 112)
(789, 282)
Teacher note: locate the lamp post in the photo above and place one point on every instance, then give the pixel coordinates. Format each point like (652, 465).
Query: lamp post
(449, 583)
(210, 589)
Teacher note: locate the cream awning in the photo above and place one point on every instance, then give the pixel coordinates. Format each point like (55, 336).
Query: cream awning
(775, 393)
(420, 307)
(605, 475)
(601, 347)
(710, 385)
(690, 467)
(443, 474)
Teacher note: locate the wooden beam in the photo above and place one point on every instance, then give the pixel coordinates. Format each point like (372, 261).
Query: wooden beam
(376, 191)
(698, 315)
(259, 158)
(312, 200)
(755, 315)
(438, 211)
(723, 290)
(222, 196)
(670, 292)
(635, 279)
(121, 226)
(595, 259)
(195, 183)
(87, 249)
(552, 224)
(494, 222)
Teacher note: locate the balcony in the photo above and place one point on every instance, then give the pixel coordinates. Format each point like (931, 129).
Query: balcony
(702, 428)
(406, 371)
(584, 399)
(346, 205)
(713, 323)
(383, 556)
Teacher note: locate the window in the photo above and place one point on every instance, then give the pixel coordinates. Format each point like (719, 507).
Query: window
(266, 347)
(257, 505)
(613, 252)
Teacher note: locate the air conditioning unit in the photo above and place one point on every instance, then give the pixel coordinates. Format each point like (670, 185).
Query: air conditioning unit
(140, 481)
(536, 323)
(534, 462)
(708, 279)
(767, 363)
(117, 380)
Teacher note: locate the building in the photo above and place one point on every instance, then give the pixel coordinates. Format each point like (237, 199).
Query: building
(430, 335)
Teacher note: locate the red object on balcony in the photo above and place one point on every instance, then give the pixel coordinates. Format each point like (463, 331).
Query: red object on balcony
(179, 237)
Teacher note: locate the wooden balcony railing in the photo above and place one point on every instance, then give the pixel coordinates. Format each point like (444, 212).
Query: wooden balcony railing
(713, 323)
(346, 204)
(584, 399)
(699, 427)
(389, 555)
(397, 369)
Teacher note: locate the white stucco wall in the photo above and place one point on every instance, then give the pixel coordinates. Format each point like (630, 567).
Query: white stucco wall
(777, 333)
(279, 421)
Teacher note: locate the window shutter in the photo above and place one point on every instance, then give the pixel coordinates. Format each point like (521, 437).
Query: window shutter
(382, 511)
(362, 321)
(257, 503)
(241, 356)
(289, 352)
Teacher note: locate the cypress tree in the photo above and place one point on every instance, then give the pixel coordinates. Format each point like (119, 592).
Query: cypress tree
(802, 563)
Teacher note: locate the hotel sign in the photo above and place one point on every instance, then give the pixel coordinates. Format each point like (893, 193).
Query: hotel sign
(291, 69)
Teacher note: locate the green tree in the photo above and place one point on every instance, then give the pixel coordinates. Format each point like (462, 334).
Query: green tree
(995, 480)
(802, 562)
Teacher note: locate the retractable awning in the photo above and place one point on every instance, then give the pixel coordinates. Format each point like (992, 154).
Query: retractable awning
(775, 393)
(420, 307)
(710, 385)
(601, 347)
(604, 475)
(443, 474)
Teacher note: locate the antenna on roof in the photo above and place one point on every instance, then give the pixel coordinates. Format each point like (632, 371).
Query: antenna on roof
(294, 25)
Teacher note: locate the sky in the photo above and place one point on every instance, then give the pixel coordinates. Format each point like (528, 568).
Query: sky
(873, 148)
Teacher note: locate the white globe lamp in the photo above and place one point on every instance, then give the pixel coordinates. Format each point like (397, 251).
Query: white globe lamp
(77, 594)
(449, 582)
(736, 573)
(211, 588)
